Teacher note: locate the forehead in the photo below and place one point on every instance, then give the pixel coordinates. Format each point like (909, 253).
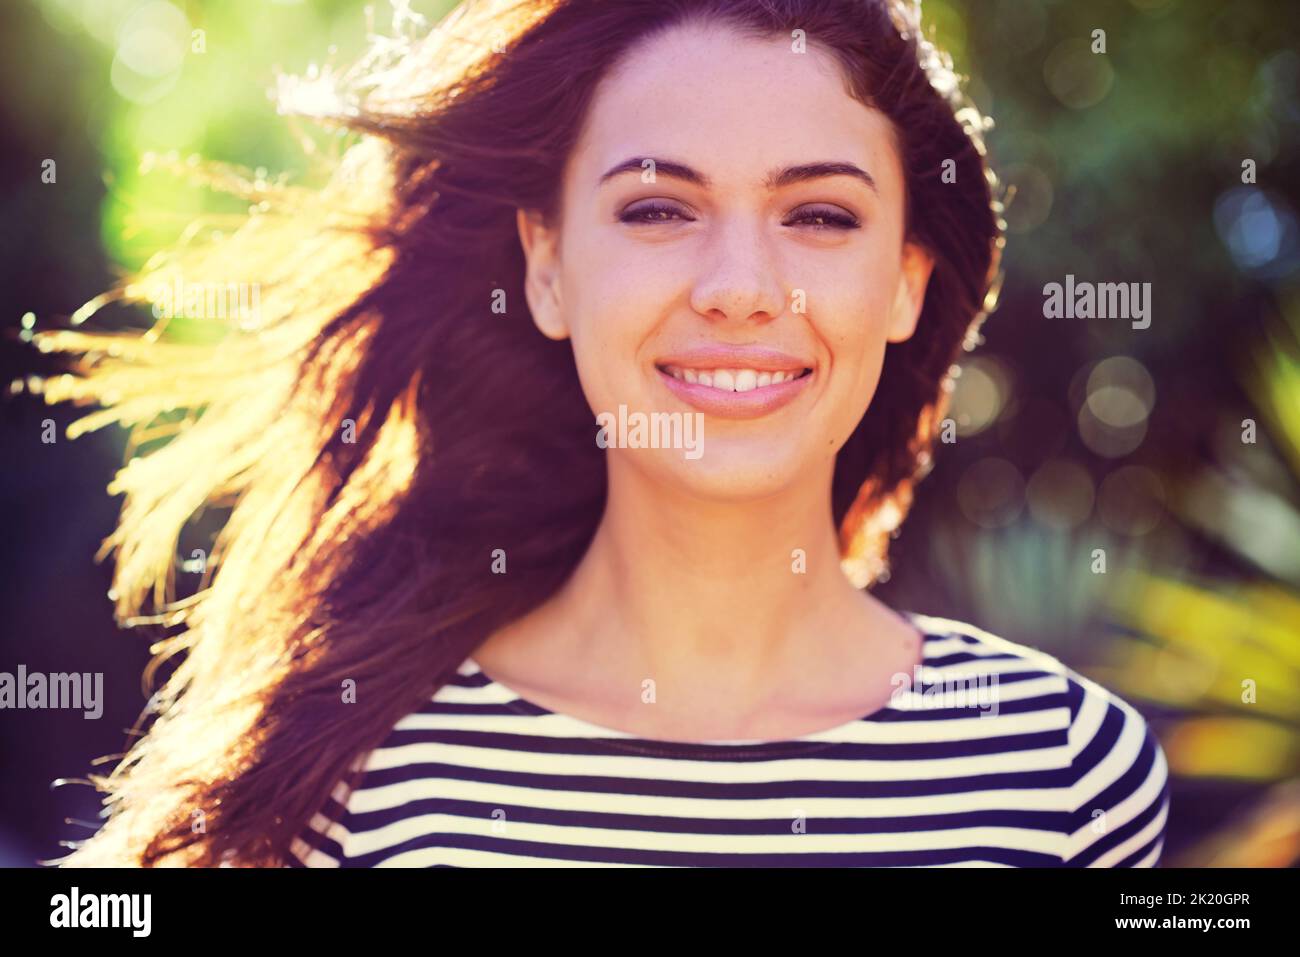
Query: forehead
(732, 106)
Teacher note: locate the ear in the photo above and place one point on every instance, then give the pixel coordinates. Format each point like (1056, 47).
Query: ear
(913, 279)
(542, 273)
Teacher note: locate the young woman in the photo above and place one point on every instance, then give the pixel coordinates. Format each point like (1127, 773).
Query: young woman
(461, 612)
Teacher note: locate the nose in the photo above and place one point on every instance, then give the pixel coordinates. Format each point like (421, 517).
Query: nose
(739, 280)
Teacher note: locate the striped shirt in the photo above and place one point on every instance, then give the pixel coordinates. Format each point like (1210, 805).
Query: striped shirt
(999, 756)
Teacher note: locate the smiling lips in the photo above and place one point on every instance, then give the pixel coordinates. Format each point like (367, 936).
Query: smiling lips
(735, 382)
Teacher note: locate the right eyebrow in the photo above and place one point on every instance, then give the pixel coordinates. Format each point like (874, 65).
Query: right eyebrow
(636, 164)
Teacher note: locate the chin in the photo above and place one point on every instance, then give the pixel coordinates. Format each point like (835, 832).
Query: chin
(729, 473)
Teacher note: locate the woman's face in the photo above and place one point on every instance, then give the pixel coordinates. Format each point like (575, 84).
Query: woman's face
(706, 283)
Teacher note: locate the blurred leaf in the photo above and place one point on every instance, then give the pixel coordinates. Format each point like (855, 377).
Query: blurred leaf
(1232, 748)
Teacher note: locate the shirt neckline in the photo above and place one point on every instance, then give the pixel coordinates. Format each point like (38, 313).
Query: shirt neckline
(732, 749)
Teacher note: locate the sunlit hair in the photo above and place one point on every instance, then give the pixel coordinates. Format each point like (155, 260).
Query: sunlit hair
(376, 431)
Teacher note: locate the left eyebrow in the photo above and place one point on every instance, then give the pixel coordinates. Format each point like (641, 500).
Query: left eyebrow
(775, 179)
(807, 171)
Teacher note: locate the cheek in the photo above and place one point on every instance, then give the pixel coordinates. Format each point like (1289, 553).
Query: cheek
(615, 288)
(851, 310)
(614, 298)
(853, 331)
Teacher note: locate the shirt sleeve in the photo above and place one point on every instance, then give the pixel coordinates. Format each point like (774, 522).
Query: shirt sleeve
(1117, 792)
(323, 841)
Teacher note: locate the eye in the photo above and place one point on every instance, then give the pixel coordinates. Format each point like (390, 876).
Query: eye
(824, 217)
(652, 212)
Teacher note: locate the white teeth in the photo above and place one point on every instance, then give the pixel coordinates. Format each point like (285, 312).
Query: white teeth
(731, 380)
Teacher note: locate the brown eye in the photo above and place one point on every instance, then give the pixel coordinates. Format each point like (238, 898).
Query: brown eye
(824, 217)
(652, 213)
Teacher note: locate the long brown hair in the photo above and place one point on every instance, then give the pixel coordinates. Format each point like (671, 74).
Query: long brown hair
(366, 437)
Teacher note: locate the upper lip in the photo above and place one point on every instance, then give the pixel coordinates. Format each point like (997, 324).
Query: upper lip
(719, 356)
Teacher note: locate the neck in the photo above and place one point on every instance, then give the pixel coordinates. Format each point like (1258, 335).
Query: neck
(683, 590)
